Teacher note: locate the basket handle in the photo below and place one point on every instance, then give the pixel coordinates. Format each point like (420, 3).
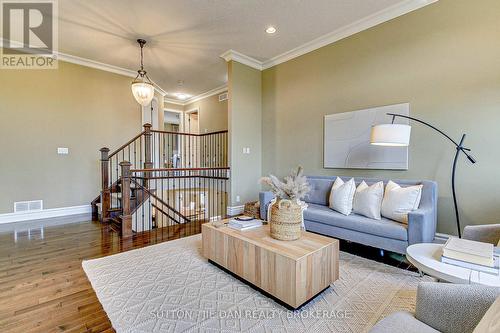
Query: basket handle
(282, 201)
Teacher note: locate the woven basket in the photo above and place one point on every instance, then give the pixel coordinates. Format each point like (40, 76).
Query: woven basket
(286, 220)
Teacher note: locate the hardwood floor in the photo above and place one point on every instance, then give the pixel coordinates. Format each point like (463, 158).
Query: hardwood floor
(43, 287)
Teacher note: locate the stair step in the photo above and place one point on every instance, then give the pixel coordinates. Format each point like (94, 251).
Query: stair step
(115, 227)
(116, 220)
(131, 198)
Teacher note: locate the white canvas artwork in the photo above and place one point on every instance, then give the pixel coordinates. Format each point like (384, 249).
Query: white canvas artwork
(347, 140)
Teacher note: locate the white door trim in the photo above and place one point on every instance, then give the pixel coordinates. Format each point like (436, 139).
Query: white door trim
(154, 120)
(181, 118)
(194, 110)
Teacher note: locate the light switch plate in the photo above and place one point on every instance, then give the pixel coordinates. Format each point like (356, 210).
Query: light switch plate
(63, 151)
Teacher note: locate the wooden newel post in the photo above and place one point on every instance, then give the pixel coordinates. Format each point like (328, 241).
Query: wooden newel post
(126, 209)
(148, 162)
(105, 190)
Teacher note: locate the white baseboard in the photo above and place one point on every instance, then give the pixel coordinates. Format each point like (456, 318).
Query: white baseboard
(235, 210)
(45, 213)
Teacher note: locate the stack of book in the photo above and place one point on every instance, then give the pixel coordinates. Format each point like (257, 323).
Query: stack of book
(471, 254)
(244, 224)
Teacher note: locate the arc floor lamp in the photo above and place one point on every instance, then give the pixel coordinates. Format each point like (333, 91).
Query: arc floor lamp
(398, 135)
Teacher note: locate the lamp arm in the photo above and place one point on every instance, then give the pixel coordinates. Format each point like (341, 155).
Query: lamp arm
(425, 123)
(457, 145)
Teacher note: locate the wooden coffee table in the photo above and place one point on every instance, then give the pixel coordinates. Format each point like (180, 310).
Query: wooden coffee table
(291, 272)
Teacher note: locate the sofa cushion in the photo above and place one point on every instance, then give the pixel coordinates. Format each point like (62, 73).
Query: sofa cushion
(341, 196)
(398, 201)
(320, 190)
(383, 227)
(368, 200)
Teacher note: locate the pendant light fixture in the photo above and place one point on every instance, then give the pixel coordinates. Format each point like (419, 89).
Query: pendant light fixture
(142, 87)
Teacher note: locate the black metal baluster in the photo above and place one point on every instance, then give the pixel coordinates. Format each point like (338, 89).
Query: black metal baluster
(157, 204)
(117, 177)
(163, 150)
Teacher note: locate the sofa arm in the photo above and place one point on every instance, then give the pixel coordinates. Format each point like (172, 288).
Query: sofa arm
(421, 225)
(488, 233)
(453, 308)
(265, 198)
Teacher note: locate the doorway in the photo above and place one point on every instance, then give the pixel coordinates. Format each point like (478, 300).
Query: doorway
(192, 121)
(173, 123)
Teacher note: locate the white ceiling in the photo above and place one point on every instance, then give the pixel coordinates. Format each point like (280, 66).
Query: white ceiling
(186, 37)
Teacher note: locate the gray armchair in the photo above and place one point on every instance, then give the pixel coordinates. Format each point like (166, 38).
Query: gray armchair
(443, 307)
(488, 233)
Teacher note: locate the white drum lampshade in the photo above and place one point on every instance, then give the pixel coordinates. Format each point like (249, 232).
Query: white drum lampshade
(143, 91)
(395, 135)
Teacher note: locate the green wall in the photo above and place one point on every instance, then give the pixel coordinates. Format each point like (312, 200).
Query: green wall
(444, 59)
(73, 106)
(245, 131)
(212, 113)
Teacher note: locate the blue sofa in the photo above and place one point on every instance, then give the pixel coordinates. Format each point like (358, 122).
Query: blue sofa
(383, 234)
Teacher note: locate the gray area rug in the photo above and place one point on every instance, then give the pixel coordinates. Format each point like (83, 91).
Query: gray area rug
(170, 287)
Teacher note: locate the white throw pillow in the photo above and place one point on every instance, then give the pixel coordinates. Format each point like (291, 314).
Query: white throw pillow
(341, 196)
(399, 201)
(368, 200)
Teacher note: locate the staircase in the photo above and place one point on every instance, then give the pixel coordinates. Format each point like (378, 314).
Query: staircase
(138, 196)
(160, 179)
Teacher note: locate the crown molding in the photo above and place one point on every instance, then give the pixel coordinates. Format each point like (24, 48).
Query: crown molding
(196, 98)
(104, 67)
(159, 89)
(365, 23)
(93, 64)
(232, 55)
(349, 30)
(206, 94)
(173, 101)
(126, 72)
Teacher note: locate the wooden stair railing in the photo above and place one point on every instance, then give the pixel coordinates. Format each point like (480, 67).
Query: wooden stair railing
(126, 216)
(137, 196)
(105, 192)
(110, 160)
(127, 172)
(172, 212)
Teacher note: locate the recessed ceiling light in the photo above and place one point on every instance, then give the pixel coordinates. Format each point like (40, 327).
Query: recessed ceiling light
(182, 96)
(271, 30)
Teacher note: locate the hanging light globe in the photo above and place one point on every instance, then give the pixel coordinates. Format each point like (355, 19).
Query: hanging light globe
(142, 87)
(143, 90)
